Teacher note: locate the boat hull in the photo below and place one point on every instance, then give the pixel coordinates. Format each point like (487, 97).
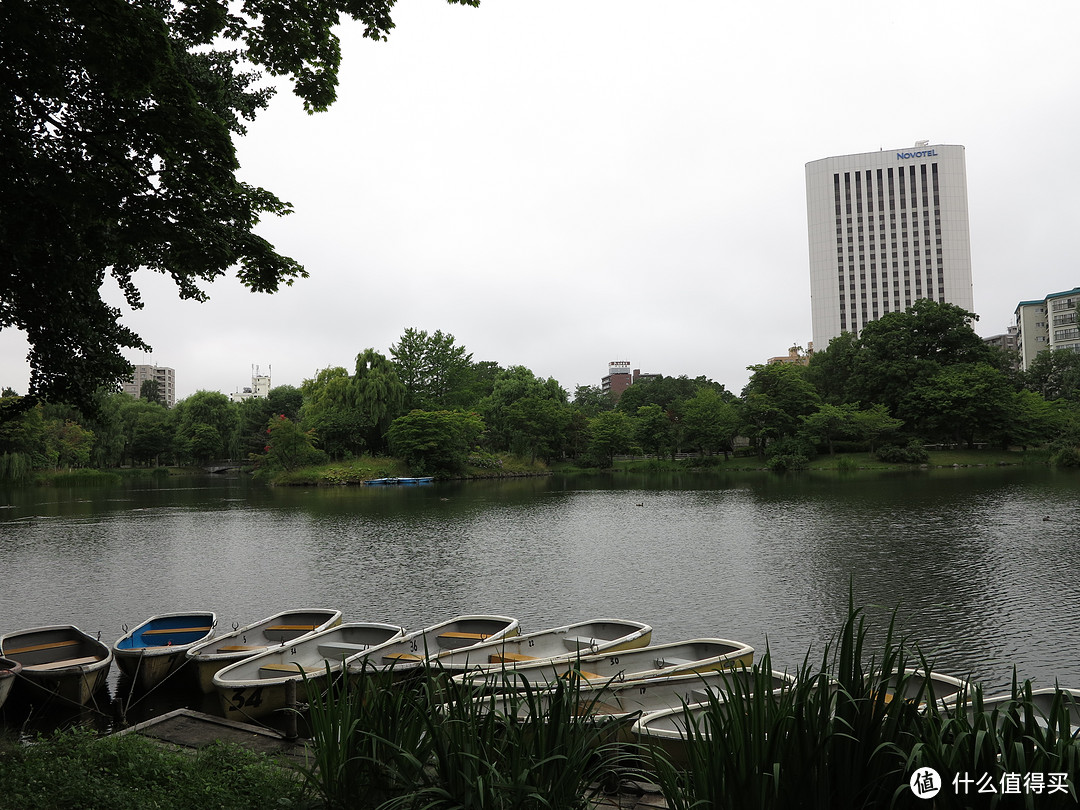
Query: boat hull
(614, 701)
(213, 655)
(157, 649)
(697, 655)
(421, 648)
(9, 672)
(256, 687)
(558, 643)
(58, 661)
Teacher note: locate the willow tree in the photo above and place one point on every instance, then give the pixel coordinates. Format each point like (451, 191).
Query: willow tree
(376, 394)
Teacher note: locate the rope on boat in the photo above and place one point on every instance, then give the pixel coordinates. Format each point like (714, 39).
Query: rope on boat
(54, 695)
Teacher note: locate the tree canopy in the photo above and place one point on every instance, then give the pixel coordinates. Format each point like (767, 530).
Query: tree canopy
(117, 120)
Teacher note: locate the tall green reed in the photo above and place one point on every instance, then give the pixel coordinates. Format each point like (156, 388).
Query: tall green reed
(980, 741)
(832, 738)
(369, 740)
(429, 743)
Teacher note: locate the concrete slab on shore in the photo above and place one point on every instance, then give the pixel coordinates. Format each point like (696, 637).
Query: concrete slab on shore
(185, 728)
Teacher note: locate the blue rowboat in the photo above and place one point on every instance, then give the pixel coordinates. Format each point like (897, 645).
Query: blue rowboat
(158, 647)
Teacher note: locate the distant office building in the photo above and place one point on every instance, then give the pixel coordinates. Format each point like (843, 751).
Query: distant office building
(795, 357)
(886, 229)
(166, 383)
(1050, 323)
(620, 377)
(260, 387)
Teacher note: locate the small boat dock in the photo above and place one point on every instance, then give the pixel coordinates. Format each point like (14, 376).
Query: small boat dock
(186, 729)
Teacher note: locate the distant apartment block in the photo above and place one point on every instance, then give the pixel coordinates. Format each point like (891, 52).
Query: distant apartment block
(1008, 343)
(1050, 323)
(620, 377)
(166, 380)
(260, 387)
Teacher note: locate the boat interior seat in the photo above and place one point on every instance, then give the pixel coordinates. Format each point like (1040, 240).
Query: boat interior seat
(667, 661)
(575, 643)
(35, 647)
(336, 649)
(509, 658)
(67, 662)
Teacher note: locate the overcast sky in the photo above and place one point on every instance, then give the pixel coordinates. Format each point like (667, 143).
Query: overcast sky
(563, 183)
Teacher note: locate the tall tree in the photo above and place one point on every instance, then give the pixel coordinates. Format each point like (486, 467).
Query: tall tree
(610, 433)
(207, 425)
(711, 422)
(117, 120)
(775, 399)
(430, 367)
(433, 442)
(376, 394)
(900, 350)
(338, 428)
(1055, 375)
(524, 413)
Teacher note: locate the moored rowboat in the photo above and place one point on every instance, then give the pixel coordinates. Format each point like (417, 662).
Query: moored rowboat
(59, 660)
(211, 656)
(158, 647)
(673, 728)
(647, 695)
(558, 643)
(255, 687)
(420, 647)
(9, 671)
(675, 658)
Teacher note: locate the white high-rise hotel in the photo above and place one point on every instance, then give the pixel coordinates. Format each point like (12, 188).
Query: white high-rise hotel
(886, 229)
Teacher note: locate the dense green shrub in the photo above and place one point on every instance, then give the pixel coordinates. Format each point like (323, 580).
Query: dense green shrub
(912, 453)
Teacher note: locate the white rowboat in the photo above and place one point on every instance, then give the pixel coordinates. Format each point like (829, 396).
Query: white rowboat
(257, 686)
(211, 656)
(676, 658)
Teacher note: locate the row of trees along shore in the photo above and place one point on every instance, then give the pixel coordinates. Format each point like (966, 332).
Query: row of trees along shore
(910, 379)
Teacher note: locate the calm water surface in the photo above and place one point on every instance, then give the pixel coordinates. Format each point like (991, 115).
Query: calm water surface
(975, 571)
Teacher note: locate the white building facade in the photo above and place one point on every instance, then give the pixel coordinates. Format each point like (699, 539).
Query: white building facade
(886, 229)
(165, 378)
(1051, 323)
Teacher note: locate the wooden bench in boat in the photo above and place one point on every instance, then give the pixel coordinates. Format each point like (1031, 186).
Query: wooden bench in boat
(238, 648)
(469, 636)
(570, 674)
(35, 647)
(277, 670)
(509, 658)
(161, 631)
(68, 662)
(401, 657)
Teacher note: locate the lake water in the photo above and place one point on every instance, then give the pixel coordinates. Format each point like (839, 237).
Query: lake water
(979, 564)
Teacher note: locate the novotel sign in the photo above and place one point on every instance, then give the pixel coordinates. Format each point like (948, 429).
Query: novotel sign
(910, 155)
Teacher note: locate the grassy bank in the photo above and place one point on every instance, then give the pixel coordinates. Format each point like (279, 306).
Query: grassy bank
(74, 769)
(364, 468)
(840, 462)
